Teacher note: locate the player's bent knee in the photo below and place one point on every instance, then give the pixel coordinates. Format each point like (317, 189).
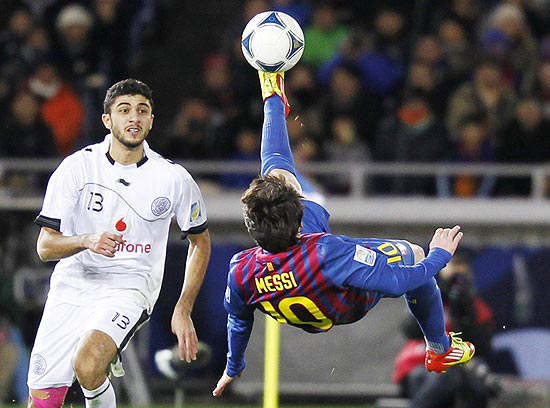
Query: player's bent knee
(47, 397)
(89, 375)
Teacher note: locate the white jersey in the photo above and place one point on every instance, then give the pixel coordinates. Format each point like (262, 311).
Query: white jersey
(89, 192)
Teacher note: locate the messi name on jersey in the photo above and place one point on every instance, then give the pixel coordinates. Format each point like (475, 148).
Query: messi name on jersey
(276, 282)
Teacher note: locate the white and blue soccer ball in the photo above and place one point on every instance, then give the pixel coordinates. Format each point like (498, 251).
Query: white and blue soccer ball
(272, 41)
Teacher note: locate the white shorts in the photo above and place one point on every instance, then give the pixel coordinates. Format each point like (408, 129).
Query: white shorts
(60, 330)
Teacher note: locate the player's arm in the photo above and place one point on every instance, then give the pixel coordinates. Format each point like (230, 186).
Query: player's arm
(240, 321)
(52, 245)
(238, 335)
(398, 279)
(182, 325)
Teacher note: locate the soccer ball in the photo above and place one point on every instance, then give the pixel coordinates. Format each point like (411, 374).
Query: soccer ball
(272, 41)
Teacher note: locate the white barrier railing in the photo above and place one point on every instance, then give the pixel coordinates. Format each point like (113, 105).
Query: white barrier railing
(359, 206)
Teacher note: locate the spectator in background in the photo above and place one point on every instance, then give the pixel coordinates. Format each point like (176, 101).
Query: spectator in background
(246, 150)
(473, 145)
(457, 50)
(80, 58)
(542, 87)
(347, 95)
(487, 94)
(507, 39)
(193, 134)
(468, 386)
(24, 134)
(464, 13)
(111, 33)
(37, 48)
(384, 66)
(143, 16)
(222, 98)
(525, 140)
(75, 51)
(12, 39)
(422, 77)
(379, 54)
(411, 134)
(61, 107)
(428, 50)
(344, 146)
(323, 36)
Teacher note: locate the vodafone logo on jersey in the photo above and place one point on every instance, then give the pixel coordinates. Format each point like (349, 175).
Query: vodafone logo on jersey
(122, 226)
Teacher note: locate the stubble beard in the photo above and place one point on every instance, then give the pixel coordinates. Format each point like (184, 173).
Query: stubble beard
(127, 142)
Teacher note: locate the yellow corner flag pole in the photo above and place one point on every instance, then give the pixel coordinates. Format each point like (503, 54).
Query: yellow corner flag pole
(271, 362)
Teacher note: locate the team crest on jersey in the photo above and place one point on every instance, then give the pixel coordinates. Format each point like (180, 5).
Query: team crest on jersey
(195, 211)
(38, 364)
(364, 255)
(160, 205)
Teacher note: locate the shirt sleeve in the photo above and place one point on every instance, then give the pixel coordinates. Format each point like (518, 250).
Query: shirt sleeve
(61, 198)
(349, 263)
(191, 210)
(240, 321)
(394, 279)
(238, 335)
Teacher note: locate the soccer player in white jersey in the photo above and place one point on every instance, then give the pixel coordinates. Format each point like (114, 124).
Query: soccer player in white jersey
(106, 217)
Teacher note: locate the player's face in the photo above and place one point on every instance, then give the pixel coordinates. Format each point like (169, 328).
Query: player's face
(130, 120)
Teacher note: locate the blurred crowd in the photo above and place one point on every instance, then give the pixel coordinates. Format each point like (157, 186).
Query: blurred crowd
(57, 58)
(456, 81)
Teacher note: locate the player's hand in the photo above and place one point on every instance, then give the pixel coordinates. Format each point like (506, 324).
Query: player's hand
(104, 243)
(223, 382)
(447, 239)
(183, 328)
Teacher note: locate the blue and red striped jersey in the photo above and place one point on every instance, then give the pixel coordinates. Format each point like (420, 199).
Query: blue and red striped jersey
(322, 281)
(309, 285)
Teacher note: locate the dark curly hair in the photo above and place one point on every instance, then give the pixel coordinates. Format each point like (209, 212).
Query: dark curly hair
(273, 213)
(127, 87)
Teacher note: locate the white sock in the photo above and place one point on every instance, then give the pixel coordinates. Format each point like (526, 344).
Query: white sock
(101, 397)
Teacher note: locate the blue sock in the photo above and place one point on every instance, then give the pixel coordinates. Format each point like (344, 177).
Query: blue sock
(275, 151)
(427, 307)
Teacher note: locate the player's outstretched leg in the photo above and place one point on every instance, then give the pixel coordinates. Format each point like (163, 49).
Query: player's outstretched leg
(426, 305)
(460, 352)
(275, 151)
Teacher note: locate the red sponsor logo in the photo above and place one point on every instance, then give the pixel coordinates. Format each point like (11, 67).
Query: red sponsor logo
(120, 225)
